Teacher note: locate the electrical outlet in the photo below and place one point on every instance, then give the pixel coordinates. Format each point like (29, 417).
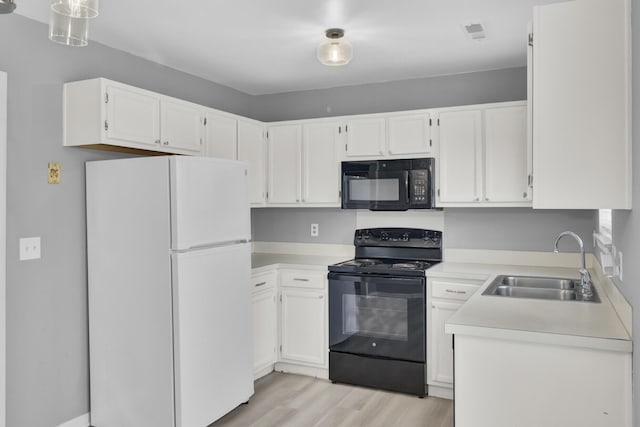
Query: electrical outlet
(314, 230)
(29, 248)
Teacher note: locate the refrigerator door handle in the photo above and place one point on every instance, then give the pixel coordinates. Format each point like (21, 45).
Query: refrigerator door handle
(210, 246)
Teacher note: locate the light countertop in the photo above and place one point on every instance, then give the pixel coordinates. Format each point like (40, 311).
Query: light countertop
(264, 261)
(575, 323)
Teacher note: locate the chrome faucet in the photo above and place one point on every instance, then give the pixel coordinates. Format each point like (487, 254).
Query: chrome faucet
(585, 277)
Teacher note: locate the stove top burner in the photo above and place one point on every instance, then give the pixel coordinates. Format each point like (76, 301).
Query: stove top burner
(381, 266)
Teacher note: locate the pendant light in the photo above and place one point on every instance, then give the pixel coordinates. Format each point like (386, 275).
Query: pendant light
(67, 30)
(69, 21)
(76, 8)
(7, 6)
(335, 50)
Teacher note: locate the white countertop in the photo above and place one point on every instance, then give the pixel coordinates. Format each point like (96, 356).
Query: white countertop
(574, 323)
(265, 261)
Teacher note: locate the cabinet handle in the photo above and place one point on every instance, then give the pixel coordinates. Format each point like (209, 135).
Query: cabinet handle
(166, 143)
(157, 141)
(524, 195)
(486, 199)
(297, 200)
(321, 296)
(297, 279)
(450, 291)
(477, 199)
(381, 151)
(260, 284)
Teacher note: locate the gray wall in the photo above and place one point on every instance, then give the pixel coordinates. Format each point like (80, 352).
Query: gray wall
(521, 229)
(445, 91)
(335, 226)
(47, 349)
(626, 224)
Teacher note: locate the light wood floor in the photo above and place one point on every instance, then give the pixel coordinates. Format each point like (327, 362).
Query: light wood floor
(286, 400)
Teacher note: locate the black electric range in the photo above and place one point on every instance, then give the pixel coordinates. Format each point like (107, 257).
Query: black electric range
(377, 309)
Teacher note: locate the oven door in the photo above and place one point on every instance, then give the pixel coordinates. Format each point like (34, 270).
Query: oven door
(377, 316)
(385, 190)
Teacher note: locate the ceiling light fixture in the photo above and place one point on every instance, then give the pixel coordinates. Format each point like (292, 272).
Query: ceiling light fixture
(7, 6)
(69, 21)
(76, 8)
(335, 50)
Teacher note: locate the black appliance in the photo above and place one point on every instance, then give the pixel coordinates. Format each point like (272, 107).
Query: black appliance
(377, 309)
(390, 185)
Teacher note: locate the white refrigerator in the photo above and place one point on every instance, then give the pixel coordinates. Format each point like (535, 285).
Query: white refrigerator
(169, 259)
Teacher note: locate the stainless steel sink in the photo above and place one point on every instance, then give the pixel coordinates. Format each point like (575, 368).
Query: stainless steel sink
(539, 282)
(547, 288)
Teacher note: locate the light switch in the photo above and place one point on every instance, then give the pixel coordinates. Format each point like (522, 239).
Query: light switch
(29, 248)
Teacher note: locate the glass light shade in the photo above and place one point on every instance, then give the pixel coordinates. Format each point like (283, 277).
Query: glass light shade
(335, 52)
(67, 30)
(76, 8)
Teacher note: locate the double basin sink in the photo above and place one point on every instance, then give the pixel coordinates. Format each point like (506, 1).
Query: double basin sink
(547, 288)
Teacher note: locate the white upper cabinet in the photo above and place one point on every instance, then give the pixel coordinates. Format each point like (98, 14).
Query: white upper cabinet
(507, 165)
(321, 163)
(366, 137)
(101, 112)
(284, 164)
(221, 137)
(132, 115)
(460, 135)
(484, 156)
(581, 105)
(304, 164)
(181, 125)
(252, 149)
(409, 134)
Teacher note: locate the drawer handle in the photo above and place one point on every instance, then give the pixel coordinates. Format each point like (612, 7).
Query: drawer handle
(297, 279)
(455, 292)
(260, 284)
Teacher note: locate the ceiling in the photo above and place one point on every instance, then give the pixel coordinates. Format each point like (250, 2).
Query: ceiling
(261, 47)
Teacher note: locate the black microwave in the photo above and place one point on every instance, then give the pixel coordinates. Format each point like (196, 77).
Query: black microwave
(388, 185)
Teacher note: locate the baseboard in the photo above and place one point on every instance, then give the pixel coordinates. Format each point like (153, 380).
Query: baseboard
(81, 421)
(441, 392)
(290, 368)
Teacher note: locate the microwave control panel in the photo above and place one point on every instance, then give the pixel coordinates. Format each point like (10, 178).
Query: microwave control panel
(419, 187)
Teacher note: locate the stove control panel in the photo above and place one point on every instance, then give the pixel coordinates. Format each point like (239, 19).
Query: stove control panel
(398, 237)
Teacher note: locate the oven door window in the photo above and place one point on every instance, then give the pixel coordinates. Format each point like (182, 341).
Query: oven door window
(377, 316)
(387, 190)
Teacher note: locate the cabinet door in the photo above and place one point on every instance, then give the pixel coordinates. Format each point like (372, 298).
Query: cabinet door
(220, 136)
(506, 160)
(303, 326)
(133, 116)
(252, 149)
(441, 368)
(366, 137)
(460, 134)
(410, 134)
(320, 163)
(181, 126)
(284, 164)
(264, 329)
(581, 105)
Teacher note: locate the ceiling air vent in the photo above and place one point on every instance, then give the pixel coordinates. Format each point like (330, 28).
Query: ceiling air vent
(475, 31)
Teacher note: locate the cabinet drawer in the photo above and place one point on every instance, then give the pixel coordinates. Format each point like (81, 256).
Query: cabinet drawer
(263, 281)
(303, 278)
(453, 290)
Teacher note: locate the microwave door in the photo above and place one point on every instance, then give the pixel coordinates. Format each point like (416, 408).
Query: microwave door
(384, 190)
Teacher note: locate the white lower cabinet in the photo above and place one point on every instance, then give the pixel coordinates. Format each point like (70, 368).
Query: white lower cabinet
(303, 317)
(290, 321)
(445, 297)
(265, 318)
